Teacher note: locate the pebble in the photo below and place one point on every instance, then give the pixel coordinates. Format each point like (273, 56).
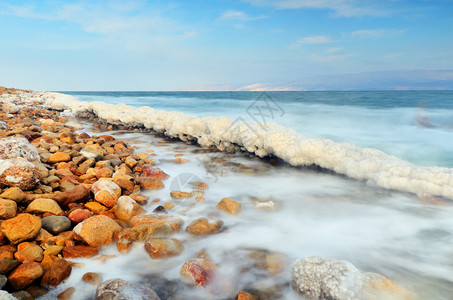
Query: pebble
(56, 224)
(204, 226)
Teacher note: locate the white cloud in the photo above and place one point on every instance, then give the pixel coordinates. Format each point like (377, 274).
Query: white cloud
(341, 8)
(311, 40)
(375, 33)
(234, 15)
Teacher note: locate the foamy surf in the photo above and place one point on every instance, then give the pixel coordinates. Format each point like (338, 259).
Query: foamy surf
(223, 133)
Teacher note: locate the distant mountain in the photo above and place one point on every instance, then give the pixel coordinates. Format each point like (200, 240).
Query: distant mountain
(384, 80)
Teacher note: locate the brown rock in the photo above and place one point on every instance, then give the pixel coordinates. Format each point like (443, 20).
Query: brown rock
(127, 208)
(43, 235)
(229, 206)
(59, 271)
(21, 228)
(93, 151)
(8, 264)
(47, 261)
(13, 193)
(180, 195)
(203, 226)
(96, 207)
(44, 206)
(150, 171)
(75, 195)
(25, 274)
(141, 233)
(173, 221)
(80, 251)
(78, 215)
(104, 173)
(245, 296)
(8, 209)
(68, 137)
(59, 157)
(92, 278)
(130, 162)
(66, 294)
(150, 183)
(36, 291)
(124, 181)
(53, 250)
(106, 192)
(162, 248)
(140, 199)
(29, 252)
(98, 230)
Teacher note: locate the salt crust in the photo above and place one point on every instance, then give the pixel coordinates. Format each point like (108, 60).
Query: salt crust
(368, 164)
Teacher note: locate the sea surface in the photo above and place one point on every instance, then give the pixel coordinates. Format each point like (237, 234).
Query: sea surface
(307, 211)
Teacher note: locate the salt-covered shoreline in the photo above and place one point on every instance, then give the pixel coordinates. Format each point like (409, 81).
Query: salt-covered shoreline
(85, 192)
(367, 164)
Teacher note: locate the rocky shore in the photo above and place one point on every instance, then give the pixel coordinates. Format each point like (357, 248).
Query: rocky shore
(65, 195)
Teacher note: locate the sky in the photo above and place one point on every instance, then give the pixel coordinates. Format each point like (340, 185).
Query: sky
(226, 44)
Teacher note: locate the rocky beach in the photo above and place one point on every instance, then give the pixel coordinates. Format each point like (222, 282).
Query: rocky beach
(70, 189)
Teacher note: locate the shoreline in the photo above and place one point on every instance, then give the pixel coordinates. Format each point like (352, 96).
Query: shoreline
(79, 188)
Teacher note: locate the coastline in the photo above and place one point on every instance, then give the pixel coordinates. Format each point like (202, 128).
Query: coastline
(131, 227)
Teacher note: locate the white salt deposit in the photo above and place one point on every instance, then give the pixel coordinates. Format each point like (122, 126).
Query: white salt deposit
(368, 164)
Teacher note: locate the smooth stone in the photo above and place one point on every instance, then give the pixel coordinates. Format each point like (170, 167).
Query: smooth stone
(127, 208)
(149, 183)
(92, 278)
(229, 206)
(13, 193)
(77, 194)
(80, 251)
(175, 222)
(8, 264)
(58, 272)
(204, 226)
(106, 192)
(29, 251)
(59, 157)
(119, 289)
(78, 215)
(56, 224)
(98, 230)
(158, 248)
(44, 205)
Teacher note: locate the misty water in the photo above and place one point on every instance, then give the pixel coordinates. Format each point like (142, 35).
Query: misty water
(315, 212)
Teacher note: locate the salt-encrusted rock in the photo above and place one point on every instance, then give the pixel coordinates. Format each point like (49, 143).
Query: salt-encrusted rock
(80, 251)
(59, 271)
(317, 278)
(106, 192)
(98, 230)
(4, 295)
(18, 147)
(18, 172)
(229, 206)
(29, 251)
(204, 226)
(25, 274)
(13, 193)
(21, 228)
(44, 205)
(119, 289)
(127, 208)
(56, 224)
(158, 248)
(8, 209)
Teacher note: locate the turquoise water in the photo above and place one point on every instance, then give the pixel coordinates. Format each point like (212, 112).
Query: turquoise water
(387, 120)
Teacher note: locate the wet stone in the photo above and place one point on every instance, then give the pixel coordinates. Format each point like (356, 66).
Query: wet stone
(119, 289)
(56, 224)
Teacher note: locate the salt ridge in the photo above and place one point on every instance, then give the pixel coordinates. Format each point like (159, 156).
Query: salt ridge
(368, 164)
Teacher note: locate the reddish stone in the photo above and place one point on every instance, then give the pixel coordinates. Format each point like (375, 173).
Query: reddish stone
(78, 215)
(25, 274)
(150, 183)
(149, 171)
(75, 195)
(59, 271)
(80, 251)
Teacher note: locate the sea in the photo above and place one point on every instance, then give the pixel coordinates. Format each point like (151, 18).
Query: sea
(361, 176)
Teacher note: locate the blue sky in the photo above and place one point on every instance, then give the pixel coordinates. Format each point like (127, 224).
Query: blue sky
(225, 44)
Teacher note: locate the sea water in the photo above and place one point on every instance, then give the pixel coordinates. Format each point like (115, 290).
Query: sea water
(400, 235)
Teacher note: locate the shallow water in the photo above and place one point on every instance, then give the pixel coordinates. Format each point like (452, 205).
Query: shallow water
(317, 213)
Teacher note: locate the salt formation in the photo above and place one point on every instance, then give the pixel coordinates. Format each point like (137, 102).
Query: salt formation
(223, 133)
(16, 167)
(316, 278)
